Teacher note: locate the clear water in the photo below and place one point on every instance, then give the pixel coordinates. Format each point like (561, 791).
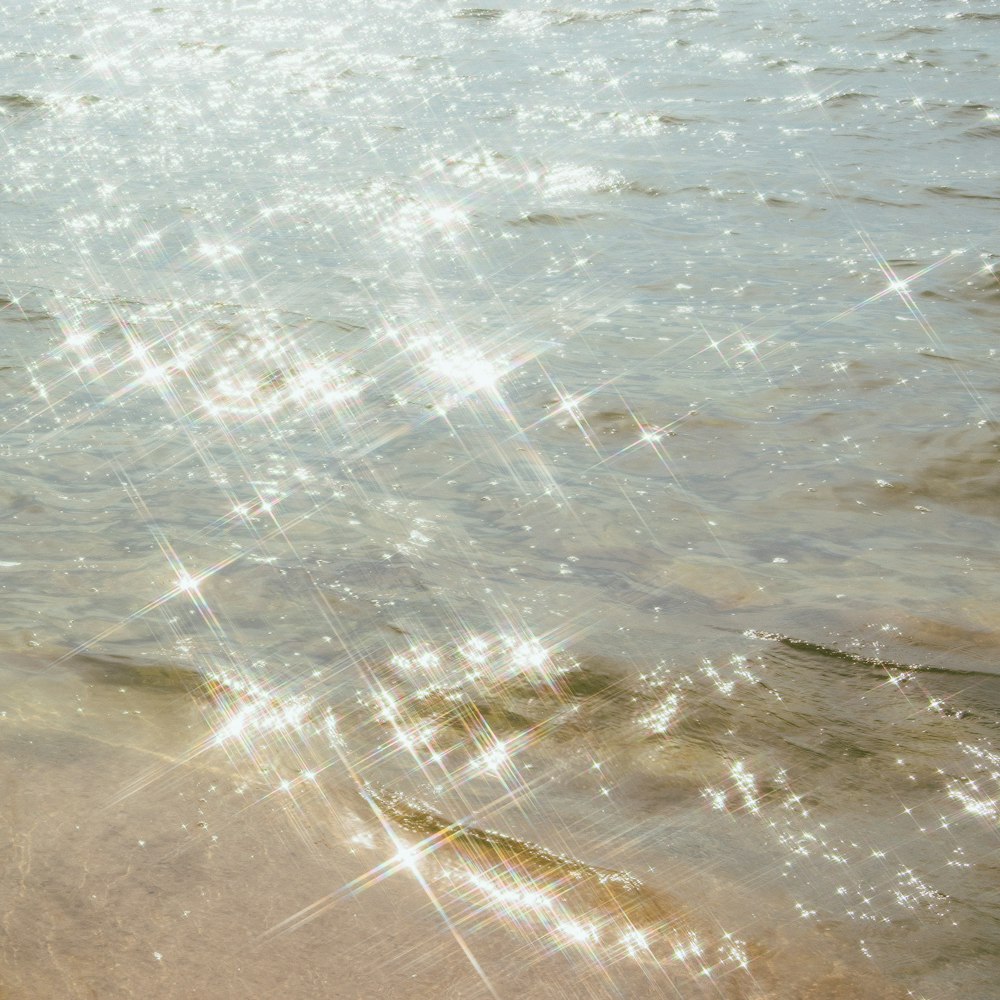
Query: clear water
(536, 466)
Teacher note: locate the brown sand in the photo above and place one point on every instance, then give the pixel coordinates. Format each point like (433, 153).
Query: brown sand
(140, 866)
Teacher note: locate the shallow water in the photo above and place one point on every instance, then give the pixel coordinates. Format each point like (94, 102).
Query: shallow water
(536, 466)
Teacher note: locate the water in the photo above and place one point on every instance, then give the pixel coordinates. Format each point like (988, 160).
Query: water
(502, 498)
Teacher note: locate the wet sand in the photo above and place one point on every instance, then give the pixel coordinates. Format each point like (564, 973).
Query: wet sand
(148, 860)
(138, 871)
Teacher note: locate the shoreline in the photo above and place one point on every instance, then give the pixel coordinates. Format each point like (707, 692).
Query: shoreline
(143, 868)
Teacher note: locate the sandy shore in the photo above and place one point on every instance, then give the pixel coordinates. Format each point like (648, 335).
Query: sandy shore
(137, 870)
(146, 859)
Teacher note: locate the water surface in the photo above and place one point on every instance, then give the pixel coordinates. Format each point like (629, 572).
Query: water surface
(525, 476)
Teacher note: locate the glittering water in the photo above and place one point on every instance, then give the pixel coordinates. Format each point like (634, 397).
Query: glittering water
(525, 477)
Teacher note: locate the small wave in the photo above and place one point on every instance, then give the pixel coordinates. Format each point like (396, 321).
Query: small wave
(917, 29)
(988, 285)
(608, 911)
(934, 355)
(20, 104)
(479, 14)
(945, 191)
(830, 652)
(840, 70)
(695, 11)
(211, 48)
(550, 219)
(666, 119)
(984, 132)
(13, 311)
(845, 98)
(912, 59)
(416, 817)
(123, 671)
(973, 110)
(600, 17)
(781, 63)
(867, 199)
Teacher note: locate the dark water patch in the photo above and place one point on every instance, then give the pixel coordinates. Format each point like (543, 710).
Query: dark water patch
(983, 132)
(594, 677)
(694, 11)
(846, 98)
(973, 15)
(934, 355)
(802, 735)
(920, 30)
(45, 56)
(912, 59)
(770, 63)
(550, 219)
(492, 717)
(777, 201)
(479, 14)
(645, 123)
(23, 106)
(128, 672)
(15, 109)
(847, 70)
(609, 423)
(704, 189)
(13, 311)
(573, 701)
(635, 187)
(25, 505)
(674, 120)
(973, 109)
(599, 17)
(946, 191)
(211, 48)
(20, 104)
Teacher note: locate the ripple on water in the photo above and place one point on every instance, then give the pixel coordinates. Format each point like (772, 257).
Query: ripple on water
(559, 542)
